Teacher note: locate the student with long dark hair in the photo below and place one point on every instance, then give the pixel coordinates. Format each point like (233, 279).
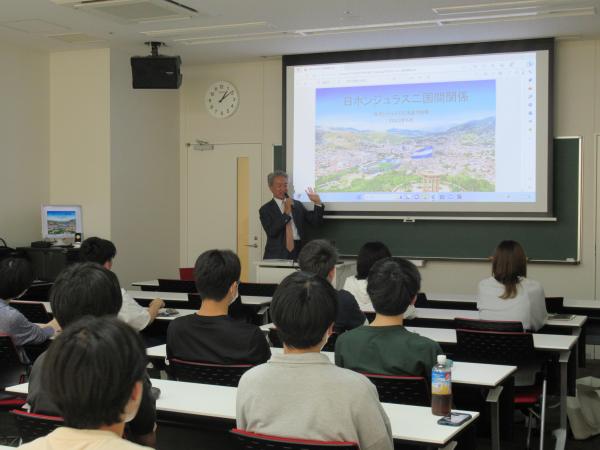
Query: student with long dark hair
(508, 294)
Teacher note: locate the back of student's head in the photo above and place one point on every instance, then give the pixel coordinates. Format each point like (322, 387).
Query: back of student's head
(98, 250)
(318, 257)
(392, 284)
(304, 306)
(508, 264)
(16, 276)
(85, 289)
(91, 368)
(369, 254)
(214, 273)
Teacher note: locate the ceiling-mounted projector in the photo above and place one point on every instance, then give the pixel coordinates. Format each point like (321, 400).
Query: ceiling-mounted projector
(156, 71)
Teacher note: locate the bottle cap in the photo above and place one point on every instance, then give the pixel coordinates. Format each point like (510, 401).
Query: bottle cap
(441, 359)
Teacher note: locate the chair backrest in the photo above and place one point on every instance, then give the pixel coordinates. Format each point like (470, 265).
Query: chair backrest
(494, 347)
(206, 373)
(257, 289)
(422, 301)
(32, 426)
(402, 390)
(186, 273)
(34, 312)
(247, 440)
(9, 357)
(488, 325)
(167, 285)
(554, 305)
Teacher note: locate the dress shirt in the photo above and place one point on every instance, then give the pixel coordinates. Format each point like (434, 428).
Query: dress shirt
(294, 229)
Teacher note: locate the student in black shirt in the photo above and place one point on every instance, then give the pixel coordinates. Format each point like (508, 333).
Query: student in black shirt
(319, 257)
(210, 335)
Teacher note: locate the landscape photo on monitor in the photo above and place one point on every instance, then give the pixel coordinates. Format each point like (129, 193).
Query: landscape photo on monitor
(422, 137)
(62, 222)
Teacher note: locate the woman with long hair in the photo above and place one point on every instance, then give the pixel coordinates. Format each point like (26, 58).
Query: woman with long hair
(508, 294)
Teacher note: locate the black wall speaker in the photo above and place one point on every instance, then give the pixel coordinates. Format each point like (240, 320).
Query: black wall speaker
(156, 72)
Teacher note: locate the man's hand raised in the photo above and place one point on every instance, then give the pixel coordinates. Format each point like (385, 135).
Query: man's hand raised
(313, 196)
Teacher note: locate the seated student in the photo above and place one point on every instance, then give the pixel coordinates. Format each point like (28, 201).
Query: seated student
(87, 289)
(97, 367)
(385, 346)
(369, 254)
(508, 294)
(211, 335)
(16, 276)
(300, 393)
(319, 257)
(102, 251)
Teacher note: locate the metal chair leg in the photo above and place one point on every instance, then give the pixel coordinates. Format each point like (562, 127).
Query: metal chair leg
(543, 415)
(529, 425)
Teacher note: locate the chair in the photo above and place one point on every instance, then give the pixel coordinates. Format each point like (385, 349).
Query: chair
(422, 301)
(35, 312)
(32, 426)
(9, 357)
(246, 440)
(508, 348)
(403, 390)
(554, 305)
(257, 289)
(184, 286)
(186, 273)
(206, 373)
(488, 325)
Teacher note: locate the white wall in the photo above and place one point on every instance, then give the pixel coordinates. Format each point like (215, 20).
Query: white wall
(577, 113)
(23, 143)
(257, 121)
(80, 135)
(144, 177)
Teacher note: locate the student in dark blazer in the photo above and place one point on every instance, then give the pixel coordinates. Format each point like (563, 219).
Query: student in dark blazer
(283, 218)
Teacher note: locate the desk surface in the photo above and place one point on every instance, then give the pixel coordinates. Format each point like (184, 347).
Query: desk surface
(546, 342)
(449, 314)
(219, 401)
(183, 297)
(471, 298)
(487, 375)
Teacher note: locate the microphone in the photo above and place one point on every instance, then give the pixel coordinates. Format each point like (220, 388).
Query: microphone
(287, 196)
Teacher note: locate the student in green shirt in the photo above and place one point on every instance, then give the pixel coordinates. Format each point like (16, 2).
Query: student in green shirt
(385, 346)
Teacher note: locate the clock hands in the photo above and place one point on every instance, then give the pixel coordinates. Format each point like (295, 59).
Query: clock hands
(225, 95)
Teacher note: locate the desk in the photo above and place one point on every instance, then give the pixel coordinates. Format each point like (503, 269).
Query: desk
(275, 270)
(490, 376)
(192, 399)
(183, 297)
(560, 344)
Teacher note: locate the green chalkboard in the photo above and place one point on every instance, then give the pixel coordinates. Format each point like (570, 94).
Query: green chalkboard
(449, 239)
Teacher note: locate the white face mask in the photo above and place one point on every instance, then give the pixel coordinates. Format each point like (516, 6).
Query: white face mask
(237, 294)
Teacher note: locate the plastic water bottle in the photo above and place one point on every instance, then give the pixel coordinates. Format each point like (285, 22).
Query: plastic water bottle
(441, 388)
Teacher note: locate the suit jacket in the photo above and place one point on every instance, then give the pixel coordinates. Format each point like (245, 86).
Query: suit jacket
(274, 222)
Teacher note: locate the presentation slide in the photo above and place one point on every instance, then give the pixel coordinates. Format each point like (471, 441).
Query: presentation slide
(444, 134)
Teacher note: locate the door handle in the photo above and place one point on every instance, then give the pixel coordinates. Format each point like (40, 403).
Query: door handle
(252, 245)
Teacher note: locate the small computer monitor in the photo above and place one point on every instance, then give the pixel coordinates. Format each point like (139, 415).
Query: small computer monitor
(60, 222)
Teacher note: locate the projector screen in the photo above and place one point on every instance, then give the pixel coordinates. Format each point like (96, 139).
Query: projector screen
(465, 134)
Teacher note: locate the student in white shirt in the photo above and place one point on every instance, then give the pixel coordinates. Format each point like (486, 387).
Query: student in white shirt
(369, 254)
(103, 251)
(508, 294)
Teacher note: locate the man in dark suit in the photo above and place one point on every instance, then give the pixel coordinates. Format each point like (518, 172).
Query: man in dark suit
(283, 218)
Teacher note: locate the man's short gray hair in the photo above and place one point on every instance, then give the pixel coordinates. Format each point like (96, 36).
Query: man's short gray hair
(277, 173)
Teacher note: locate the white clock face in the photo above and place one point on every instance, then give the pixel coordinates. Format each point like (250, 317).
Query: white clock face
(221, 99)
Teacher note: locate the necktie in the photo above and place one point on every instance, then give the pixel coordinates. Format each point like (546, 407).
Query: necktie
(289, 237)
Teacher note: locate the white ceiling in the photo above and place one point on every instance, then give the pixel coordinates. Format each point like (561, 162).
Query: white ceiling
(248, 29)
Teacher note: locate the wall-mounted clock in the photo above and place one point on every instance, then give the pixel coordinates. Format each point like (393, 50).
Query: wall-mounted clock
(221, 99)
